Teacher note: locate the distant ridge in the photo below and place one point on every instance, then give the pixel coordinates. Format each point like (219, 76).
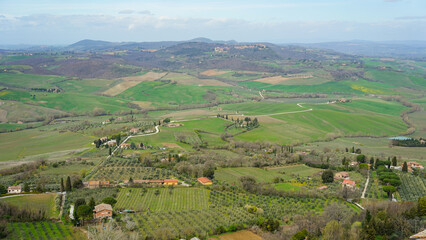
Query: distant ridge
(404, 49)
(97, 45)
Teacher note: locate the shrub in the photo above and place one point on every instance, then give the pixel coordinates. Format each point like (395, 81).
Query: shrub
(327, 176)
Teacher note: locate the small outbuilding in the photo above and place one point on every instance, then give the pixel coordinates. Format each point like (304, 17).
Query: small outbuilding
(205, 181)
(14, 189)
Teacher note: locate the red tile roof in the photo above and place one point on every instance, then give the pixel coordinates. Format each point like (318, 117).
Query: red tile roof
(204, 180)
(348, 182)
(171, 180)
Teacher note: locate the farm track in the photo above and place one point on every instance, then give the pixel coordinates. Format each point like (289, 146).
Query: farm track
(366, 185)
(157, 130)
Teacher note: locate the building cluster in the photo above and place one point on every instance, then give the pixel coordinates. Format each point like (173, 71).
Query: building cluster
(239, 47)
(346, 180)
(154, 182)
(410, 166)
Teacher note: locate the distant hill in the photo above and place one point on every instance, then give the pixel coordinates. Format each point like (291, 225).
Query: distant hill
(402, 49)
(96, 45)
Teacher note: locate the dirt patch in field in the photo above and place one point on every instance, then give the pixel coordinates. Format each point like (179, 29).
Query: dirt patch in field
(128, 82)
(143, 104)
(268, 119)
(280, 79)
(149, 76)
(121, 87)
(240, 235)
(171, 145)
(213, 72)
(3, 116)
(200, 82)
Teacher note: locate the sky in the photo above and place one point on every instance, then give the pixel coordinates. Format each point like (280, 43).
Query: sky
(59, 22)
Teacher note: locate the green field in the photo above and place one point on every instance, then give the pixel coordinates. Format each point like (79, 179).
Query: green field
(232, 175)
(323, 124)
(29, 80)
(371, 146)
(16, 145)
(177, 199)
(296, 170)
(35, 202)
(260, 108)
(165, 93)
(43, 231)
(210, 130)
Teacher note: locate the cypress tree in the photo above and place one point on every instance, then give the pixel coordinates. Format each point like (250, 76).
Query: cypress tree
(92, 203)
(62, 184)
(68, 184)
(394, 161)
(405, 167)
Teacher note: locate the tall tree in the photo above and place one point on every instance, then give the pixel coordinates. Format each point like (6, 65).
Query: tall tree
(92, 203)
(62, 185)
(405, 167)
(68, 184)
(26, 187)
(333, 231)
(394, 161)
(84, 212)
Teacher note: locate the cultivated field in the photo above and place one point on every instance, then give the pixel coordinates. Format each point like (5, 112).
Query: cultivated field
(44, 202)
(44, 231)
(176, 199)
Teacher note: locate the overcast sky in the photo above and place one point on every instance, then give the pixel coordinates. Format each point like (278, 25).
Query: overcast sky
(279, 21)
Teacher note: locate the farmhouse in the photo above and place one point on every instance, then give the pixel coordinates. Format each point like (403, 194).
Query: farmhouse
(102, 211)
(348, 183)
(341, 175)
(134, 130)
(155, 182)
(96, 184)
(205, 181)
(170, 182)
(322, 187)
(111, 143)
(14, 189)
(419, 236)
(412, 165)
(125, 146)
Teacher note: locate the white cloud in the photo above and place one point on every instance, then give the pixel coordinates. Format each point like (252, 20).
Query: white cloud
(127, 11)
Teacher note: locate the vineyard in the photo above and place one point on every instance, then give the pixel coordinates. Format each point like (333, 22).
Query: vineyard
(116, 169)
(42, 230)
(412, 187)
(208, 210)
(175, 199)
